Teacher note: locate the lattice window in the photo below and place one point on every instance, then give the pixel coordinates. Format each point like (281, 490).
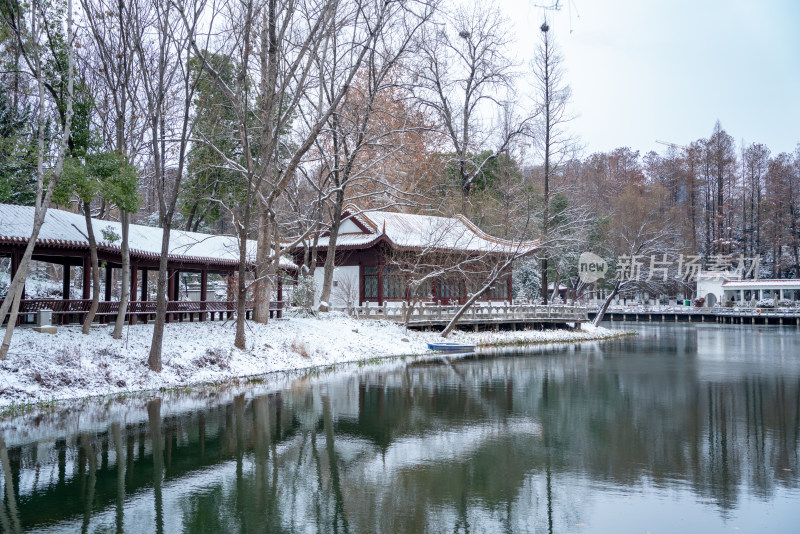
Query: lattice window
(370, 282)
(393, 284)
(499, 290)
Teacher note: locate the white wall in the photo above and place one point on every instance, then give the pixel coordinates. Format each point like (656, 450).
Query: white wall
(349, 227)
(345, 280)
(711, 283)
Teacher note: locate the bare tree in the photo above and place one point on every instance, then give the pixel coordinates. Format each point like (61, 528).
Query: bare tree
(111, 60)
(463, 75)
(288, 44)
(163, 55)
(642, 242)
(552, 96)
(356, 139)
(28, 36)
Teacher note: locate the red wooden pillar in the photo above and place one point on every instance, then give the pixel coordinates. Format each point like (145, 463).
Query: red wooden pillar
(107, 295)
(144, 285)
(143, 296)
(132, 318)
(203, 293)
(380, 284)
(65, 282)
(109, 272)
(509, 287)
(87, 278)
(176, 292)
(14, 262)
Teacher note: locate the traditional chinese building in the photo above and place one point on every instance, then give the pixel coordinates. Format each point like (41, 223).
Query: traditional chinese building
(63, 240)
(379, 254)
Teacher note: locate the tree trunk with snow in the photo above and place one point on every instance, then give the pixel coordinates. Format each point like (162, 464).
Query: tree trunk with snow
(330, 257)
(604, 308)
(125, 219)
(463, 309)
(240, 339)
(491, 279)
(263, 284)
(154, 357)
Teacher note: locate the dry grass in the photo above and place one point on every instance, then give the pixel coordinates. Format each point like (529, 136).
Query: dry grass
(300, 348)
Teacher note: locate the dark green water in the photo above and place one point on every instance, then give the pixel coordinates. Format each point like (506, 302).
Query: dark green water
(685, 428)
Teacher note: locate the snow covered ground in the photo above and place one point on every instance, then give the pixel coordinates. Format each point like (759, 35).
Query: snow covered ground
(43, 367)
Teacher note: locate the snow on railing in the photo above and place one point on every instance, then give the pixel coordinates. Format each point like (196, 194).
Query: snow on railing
(716, 310)
(475, 314)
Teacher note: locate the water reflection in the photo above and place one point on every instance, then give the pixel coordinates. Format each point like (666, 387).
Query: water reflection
(708, 415)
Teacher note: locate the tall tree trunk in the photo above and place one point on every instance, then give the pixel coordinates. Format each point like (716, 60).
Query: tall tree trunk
(312, 263)
(154, 358)
(125, 219)
(263, 285)
(330, 258)
(548, 126)
(87, 322)
(240, 338)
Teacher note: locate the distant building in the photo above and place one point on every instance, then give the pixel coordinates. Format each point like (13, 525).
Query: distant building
(720, 288)
(751, 291)
(709, 286)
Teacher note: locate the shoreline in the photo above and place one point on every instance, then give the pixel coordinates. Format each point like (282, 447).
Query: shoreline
(43, 369)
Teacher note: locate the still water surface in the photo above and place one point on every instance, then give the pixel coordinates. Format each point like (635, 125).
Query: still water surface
(685, 428)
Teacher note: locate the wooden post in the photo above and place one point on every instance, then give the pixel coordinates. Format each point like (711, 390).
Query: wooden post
(109, 272)
(144, 286)
(16, 258)
(380, 284)
(177, 291)
(203, 293)
(87, 278)
(143, 296)
(132, 318)
(176, 280)
(65, 282)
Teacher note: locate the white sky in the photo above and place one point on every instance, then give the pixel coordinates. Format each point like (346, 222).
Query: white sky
(642, 70)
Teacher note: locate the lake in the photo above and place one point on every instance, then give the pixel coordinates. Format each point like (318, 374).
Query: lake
(683, 428)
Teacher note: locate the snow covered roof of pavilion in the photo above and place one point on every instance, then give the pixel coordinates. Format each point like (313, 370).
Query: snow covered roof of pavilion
(785, 283)
(68, 230)
(420, 232)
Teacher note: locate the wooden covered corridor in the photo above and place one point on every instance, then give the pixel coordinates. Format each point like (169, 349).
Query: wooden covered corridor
(62, 241)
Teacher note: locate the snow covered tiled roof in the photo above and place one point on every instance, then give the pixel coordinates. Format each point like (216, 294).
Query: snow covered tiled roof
(408, 231)
(63, 228)
(791, 283)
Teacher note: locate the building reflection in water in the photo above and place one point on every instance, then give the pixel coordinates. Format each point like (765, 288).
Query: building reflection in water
(515, 443)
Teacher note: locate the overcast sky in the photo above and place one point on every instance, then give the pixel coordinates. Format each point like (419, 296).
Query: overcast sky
(647, 70)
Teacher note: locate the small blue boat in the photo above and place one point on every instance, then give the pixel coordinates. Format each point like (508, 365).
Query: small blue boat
(451, 347)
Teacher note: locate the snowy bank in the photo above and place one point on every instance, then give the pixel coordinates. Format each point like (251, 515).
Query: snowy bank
(43, 367)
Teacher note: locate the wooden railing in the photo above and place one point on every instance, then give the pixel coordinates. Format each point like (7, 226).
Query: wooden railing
(476, 314)
(736, 311)
(66, 311)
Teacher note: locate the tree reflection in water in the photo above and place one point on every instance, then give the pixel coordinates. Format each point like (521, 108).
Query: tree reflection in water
(501, 443)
